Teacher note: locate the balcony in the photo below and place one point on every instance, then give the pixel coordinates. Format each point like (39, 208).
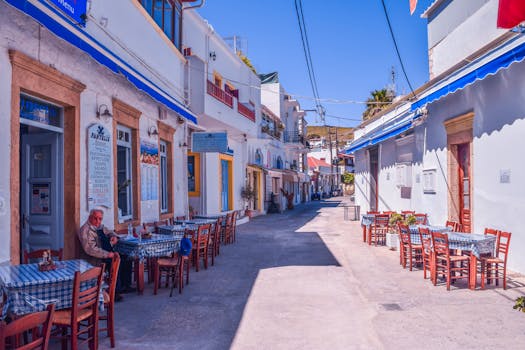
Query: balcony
(245, 111)
(220, 94)
(293, 137)
(272, 132)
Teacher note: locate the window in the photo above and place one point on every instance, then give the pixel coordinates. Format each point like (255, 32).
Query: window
(163, 151)
(124, 174)
(167, 14)
(193, 174)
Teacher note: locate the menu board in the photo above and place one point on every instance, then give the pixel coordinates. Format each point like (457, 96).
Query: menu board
(99, 166)
(149, 170)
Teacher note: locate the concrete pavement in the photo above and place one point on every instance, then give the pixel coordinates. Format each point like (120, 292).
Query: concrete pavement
(304, 280)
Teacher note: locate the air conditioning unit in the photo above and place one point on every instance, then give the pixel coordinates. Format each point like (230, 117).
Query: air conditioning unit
(403, 174)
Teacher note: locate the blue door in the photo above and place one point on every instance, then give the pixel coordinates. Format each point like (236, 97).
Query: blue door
(225, 185)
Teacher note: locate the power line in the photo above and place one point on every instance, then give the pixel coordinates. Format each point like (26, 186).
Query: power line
(397, 49)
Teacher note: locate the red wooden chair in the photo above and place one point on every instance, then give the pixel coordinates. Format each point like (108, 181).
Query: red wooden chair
(411, 253)
(379, 229)
(150, 227)
(214, 240)
(37, 255)
(34, 328)
(109, 301)
(427, 256)
(200, 246)
(228, 229)
(82, 317)
(453, 225)
(371, 212)
(172, 267)
(234, 225)
(180, 218)
(452, 267)
(421, 219)
(495, 267)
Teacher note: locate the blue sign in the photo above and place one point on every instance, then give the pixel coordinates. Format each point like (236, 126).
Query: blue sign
(75, 9)
(209, 142)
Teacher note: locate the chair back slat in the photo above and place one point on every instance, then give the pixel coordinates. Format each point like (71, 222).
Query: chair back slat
(426, 238)
(421, 219)
(150, 227)
(381, 220)
(203, 234)
(404, 234)
(84, 299)
(502, 245)
(371, 212)
(38, 324)
(453, 225)
(440, 243)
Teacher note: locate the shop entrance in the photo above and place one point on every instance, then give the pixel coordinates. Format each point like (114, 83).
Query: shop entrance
(41, 175)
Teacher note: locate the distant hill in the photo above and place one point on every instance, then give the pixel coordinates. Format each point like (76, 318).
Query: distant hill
(343, 133)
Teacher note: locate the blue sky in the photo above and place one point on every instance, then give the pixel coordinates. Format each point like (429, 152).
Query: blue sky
(351, 47)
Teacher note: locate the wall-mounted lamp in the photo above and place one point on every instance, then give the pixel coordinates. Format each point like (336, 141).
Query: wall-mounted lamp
(103, 112)
(152, 131)
(213, 56)
(184, 144)
(180, 120)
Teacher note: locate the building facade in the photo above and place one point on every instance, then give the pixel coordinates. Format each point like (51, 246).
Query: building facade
(451, 151)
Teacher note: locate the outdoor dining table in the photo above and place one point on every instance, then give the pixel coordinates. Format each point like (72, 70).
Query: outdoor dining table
(414, 231)
(197, 221)
(175, 230)
(158, 245)
(28, 290)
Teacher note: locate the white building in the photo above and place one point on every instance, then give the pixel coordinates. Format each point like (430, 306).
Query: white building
(452, 151)
(94, 111)
(230, 106)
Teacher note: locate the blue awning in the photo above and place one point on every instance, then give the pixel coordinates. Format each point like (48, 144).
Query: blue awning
(73, 34)
(382, 133)
(516, 54)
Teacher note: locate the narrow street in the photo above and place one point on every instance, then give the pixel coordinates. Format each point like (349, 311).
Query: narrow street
(304, 280)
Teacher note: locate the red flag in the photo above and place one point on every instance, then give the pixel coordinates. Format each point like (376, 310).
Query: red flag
(413, 4)
(510, 13)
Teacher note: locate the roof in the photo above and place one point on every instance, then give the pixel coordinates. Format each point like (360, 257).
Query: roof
(316, 163)
(268, 78)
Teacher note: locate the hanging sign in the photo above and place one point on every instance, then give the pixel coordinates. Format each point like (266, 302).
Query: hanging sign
(209, 142)
(76, 9)
(99, 166)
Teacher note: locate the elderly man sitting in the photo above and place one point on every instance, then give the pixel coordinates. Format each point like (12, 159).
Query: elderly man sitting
(98, 243)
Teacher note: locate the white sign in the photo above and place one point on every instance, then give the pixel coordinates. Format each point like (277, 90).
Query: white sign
(99, 167)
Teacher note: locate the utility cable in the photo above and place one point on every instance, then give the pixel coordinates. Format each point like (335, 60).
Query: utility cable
(397, 49)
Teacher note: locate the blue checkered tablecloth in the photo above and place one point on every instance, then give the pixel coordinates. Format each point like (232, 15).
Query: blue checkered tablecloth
(367, 219)
(30, 290)
(475, 243)
(197, 222)
(175, 230)
(211, 217)
(414, 231)
(157, 246)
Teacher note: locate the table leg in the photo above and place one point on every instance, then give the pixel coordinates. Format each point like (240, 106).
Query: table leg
(364, 233)
(369, 234)
(139, 276)
(473, 271)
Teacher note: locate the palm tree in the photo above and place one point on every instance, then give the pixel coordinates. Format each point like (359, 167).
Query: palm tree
(379, 100)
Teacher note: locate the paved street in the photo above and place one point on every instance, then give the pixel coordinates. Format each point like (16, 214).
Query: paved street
(304, 280)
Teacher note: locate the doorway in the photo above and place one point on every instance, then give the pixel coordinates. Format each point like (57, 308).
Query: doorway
(41, 176)
(374, 168)
(464, 180)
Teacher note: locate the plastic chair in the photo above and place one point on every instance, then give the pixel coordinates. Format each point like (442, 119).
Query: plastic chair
(35, 326)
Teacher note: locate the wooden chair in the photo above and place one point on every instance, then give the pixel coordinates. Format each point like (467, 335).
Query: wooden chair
(35, 326)
(426, 252)
(234, 225)
(200, 246)
(421, 219)
(214, 241)
(495, 266)
(218, 233)
(164, 222)
(37, 255)
(453, 225)
(172, 267)
(389, 212)
(180, 218)
(379, 229)
(84, 310)
(372, 212)
(411, 253)
(228, 229)
(407, 212)
(446, 264)
(150, 227)
(109, 301)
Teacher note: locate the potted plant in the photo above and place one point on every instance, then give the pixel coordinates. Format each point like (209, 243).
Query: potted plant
(410, 220)
(248, 194)
(392, 237)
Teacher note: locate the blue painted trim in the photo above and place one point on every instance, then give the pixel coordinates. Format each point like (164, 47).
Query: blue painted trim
(379, 136)
(504, 61)
(62, 32)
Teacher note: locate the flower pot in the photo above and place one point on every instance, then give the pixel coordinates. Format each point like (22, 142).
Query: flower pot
(250, 213)
(392, 241)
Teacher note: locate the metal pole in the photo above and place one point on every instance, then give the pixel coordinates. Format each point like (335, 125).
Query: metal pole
(331, 160)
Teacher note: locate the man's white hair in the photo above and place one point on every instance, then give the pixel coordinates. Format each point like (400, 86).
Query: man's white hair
(96, 210)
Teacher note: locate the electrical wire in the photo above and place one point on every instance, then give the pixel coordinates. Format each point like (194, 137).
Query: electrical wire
(397, 49)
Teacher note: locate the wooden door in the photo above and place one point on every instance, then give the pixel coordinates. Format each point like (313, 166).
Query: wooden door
(374, 167)
(464, 178)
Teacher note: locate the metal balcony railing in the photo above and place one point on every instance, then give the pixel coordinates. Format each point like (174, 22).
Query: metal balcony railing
(220, 94)
(293, 137)
(245, 111)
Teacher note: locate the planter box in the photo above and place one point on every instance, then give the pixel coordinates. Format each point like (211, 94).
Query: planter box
(392, 241)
